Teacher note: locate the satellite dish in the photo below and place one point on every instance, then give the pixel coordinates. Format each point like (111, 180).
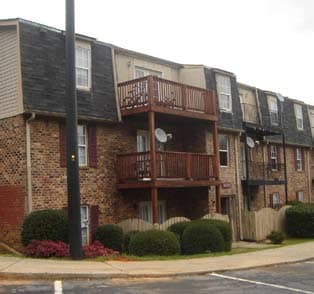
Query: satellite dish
(250, 142)
(161, 135)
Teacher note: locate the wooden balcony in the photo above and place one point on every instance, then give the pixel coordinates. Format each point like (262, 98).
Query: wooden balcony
(264, 174)
(173, 169)
(155, 94)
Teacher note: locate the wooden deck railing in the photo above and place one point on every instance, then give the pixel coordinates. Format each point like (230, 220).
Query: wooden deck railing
(170, 165)
(152, 90)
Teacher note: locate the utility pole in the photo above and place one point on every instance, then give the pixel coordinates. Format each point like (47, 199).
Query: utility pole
(73, 181)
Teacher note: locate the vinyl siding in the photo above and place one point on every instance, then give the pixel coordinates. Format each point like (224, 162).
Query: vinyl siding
(9, 72)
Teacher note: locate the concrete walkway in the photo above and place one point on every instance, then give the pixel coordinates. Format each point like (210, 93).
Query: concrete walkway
(16, 267)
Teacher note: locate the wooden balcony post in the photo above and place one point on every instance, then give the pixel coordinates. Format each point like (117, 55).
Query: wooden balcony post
(151, 91)
(216, 163)
(188, 166)
(153, 165)
(183, 97)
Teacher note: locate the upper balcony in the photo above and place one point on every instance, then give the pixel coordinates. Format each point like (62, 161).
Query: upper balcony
(261, 173)
(155, 94)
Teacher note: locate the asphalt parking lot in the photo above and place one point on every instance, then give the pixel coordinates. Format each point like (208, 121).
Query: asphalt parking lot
(289, 278)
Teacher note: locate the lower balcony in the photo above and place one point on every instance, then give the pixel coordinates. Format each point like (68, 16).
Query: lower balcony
(260, 173)
(173, 169)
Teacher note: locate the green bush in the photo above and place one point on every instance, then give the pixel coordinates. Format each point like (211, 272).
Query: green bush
(111, 236)
(276, 237)
(126, 240)
(202, 237)
(294, 202)
(225, 230)
(154, 242)
(178, 228)
(45, 225)
(300, 221)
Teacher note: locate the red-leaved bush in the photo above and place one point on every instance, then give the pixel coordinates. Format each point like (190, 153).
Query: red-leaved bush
(97, 249)
(47, 248)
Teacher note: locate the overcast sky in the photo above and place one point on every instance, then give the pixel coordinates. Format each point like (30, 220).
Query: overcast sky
(266, 43)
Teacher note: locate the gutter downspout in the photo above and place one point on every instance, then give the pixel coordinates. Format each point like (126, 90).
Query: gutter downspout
(29, 164)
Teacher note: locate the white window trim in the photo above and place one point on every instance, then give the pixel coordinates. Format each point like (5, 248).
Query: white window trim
(87, 223)
(87, 46)
(149, 206)
(147, 72)
(229, 95)
(85, 147)
(224, 150)
(271, 100)
(298, 196)
(299, 116)
(277, 204)
(274, 157)
(299, 159)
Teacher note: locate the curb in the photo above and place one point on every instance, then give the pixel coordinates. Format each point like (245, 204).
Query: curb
(104, 276)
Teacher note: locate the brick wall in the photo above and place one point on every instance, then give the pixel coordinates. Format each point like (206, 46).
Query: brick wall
(98, 185)
(297, 180)
(12, 178)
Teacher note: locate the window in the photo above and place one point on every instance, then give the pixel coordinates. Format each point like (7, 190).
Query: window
(145, 210)
(85, 224)
(275, 200)
(300, 196)
(223, 150)
(141, 72)
(273, 110)
(299, 116)
(273, 157)
(82, 145)
(83, 66)
(299, 159)
(224, 93)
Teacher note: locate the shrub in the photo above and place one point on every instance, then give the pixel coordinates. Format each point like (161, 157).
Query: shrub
(154, 242)
(276, 237)
(47, 248)
(201, 237)
(97, 249)
(178, 228)
(126, 240)
(294, 202)
(225, 230)
(300, 221)
(110, 236)
(45, 225)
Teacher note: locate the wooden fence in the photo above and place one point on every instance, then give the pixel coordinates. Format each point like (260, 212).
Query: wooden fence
(136, 224)
(256, 225)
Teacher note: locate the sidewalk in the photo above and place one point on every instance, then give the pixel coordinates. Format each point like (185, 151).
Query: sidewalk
(14, 267)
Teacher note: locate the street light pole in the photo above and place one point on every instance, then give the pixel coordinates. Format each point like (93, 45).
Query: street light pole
(73, 181)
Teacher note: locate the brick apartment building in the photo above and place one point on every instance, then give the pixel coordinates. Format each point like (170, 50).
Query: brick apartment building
(123, 97)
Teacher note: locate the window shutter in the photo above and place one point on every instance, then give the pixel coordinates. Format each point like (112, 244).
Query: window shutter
(94, 221)
(295, 159)
(303, 159)
(279, 157)
(92, 146)
(271, 202)
(62, 141)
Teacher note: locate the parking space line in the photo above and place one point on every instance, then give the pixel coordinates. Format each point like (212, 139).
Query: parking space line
(58, 287)
(261, 283)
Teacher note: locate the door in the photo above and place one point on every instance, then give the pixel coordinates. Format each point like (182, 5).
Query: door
(145, 211)
(85, 224)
